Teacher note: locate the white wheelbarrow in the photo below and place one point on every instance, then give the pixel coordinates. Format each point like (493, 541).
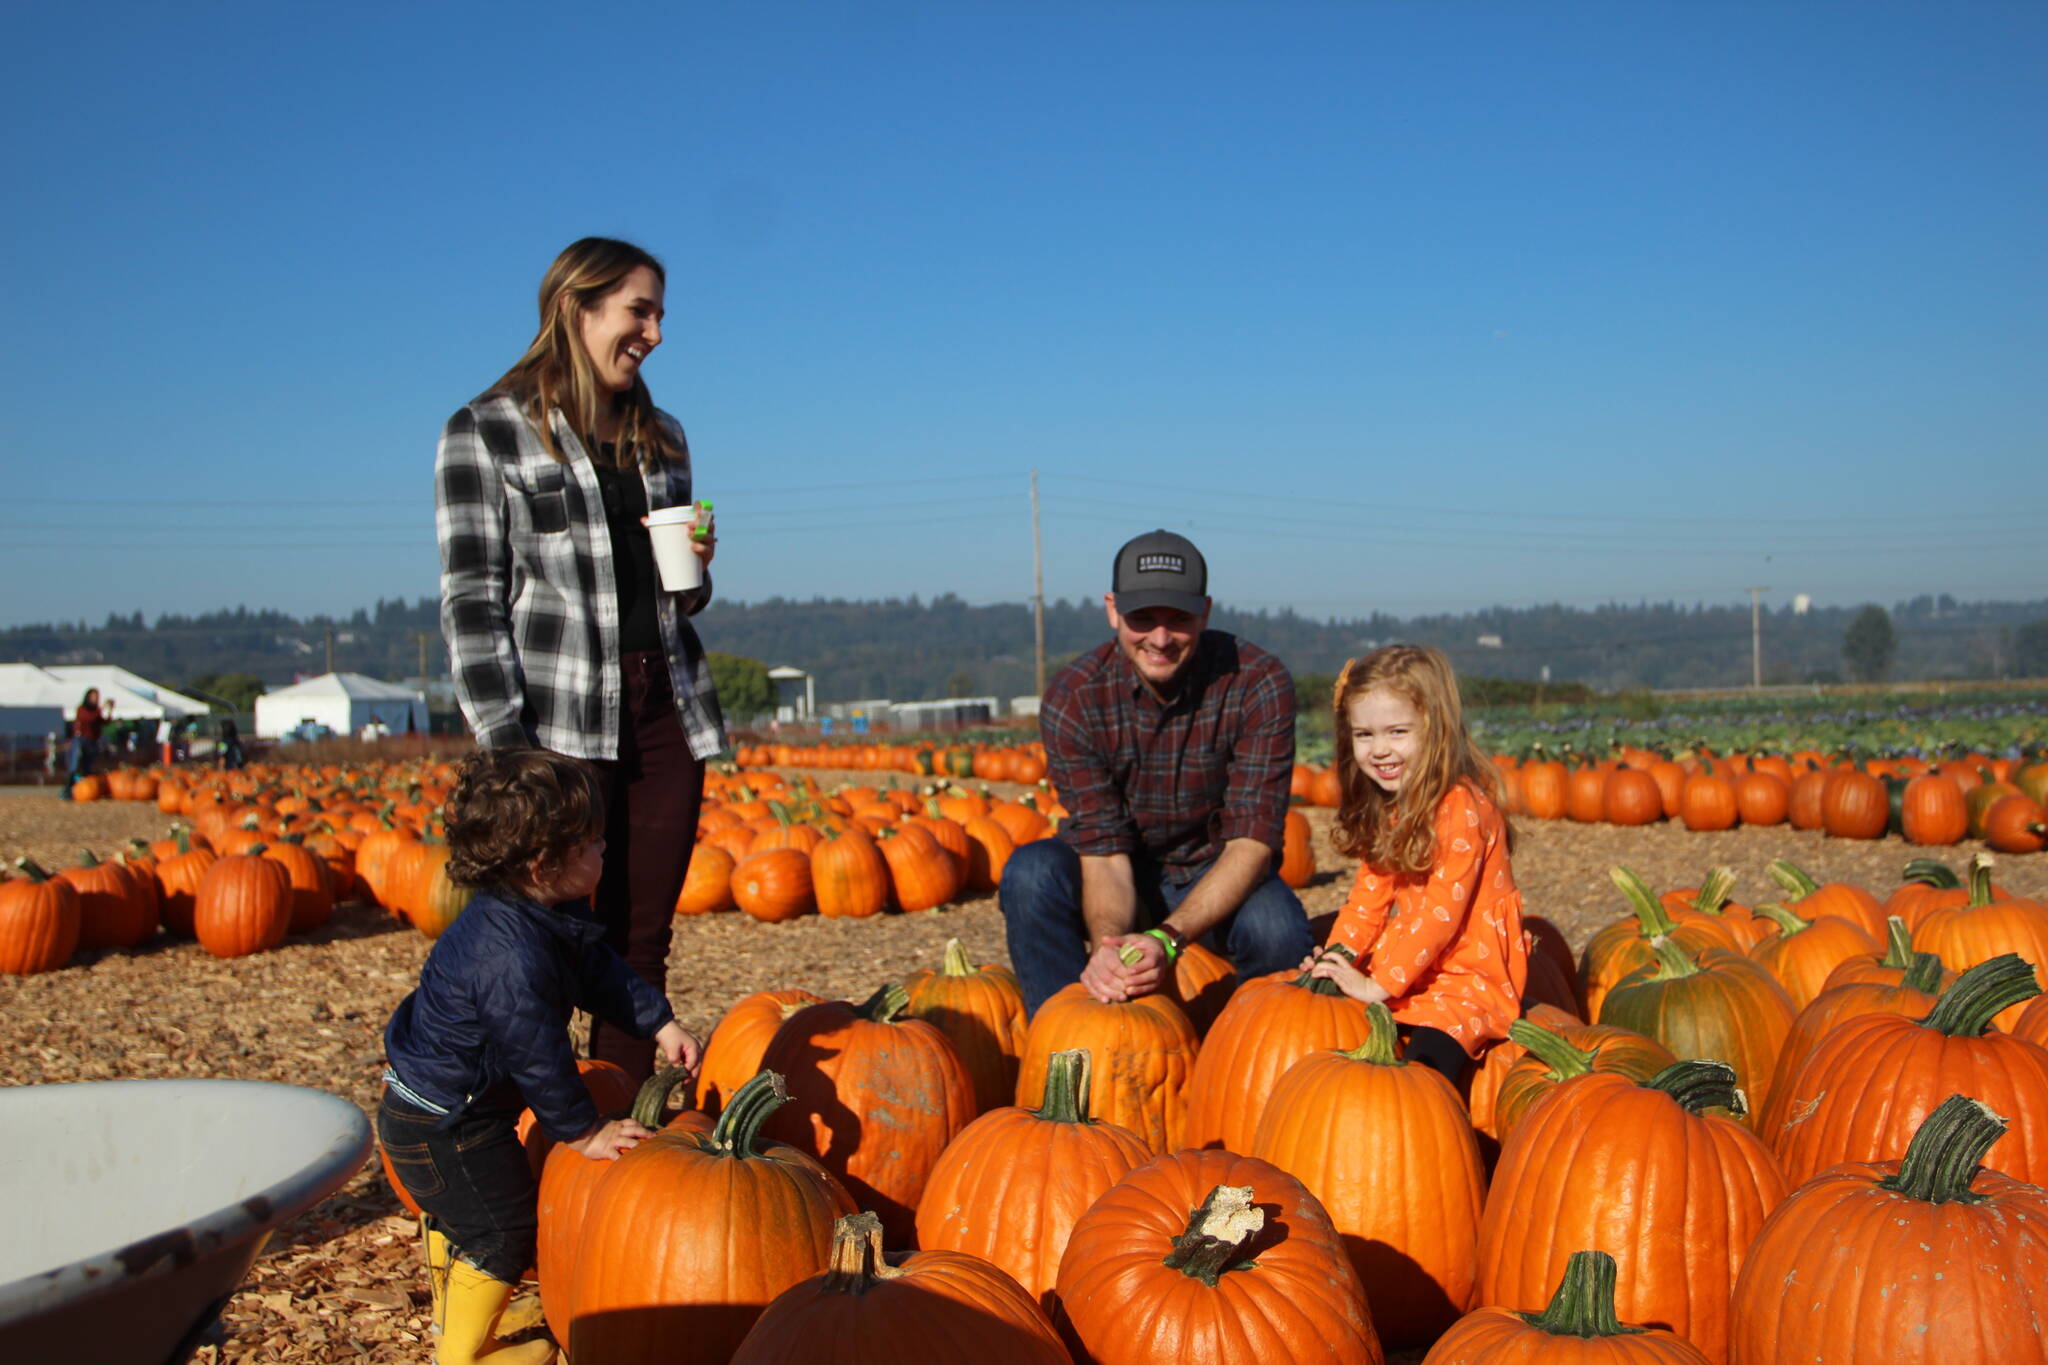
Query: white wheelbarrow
(134, 1208)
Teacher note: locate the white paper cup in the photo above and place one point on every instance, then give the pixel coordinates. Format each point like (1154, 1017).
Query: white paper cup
(670, 529)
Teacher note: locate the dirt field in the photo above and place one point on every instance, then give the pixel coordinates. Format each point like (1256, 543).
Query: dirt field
(343, 1283)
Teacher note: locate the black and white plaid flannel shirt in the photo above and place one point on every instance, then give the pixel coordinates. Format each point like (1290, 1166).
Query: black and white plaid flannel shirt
(529, 604)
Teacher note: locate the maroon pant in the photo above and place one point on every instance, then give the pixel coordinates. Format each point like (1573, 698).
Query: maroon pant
(652, 792)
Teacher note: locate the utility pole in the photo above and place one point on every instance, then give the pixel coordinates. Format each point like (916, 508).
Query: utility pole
(1037, 589)
(330, 649)
(1756, 638)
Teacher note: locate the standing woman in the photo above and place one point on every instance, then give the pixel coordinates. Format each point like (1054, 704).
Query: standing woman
(86, 723)
(558, 632)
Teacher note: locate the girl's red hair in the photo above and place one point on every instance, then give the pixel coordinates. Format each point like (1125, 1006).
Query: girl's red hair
(1398, 833)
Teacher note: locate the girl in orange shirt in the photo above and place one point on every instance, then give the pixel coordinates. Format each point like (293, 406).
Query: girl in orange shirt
(1433, 925)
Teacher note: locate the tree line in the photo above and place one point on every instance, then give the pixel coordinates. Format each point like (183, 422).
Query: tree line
(910, 649)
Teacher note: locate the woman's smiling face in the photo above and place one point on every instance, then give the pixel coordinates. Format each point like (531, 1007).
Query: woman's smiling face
(623, 328)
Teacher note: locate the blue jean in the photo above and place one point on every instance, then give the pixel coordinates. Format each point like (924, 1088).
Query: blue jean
(471, 1178)
(1048, 935)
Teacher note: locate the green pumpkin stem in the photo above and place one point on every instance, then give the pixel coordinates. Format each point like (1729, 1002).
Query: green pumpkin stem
(88, 858)
(1067, 1076)
(1793, 878)
(1322, 985)
(1967, 1008)
(1649, 911)
(1674, 963)
(1923, 974)
(1980, 880)
(856, 1262)
(885, 1004)
(31, 869)
(1784, 918)
(1898, 944)
(651, 1101)
(1931, 872)
(1714, 891)
(1701, 1085)
(956, 962)
(1946, 1151)
(1382, 1041)
(1217, 1235)
(1564, 1059)
(740, 1125)
(1583, 1305)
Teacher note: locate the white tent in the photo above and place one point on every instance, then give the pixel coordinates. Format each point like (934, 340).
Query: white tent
(134, 697)
(32, 702)
(343, 702)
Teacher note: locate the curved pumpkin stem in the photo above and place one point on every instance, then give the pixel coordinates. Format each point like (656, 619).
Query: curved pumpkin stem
(1322, 985)
(1067, 1078)
(1946, 1150)
(1793, 878)
(856, 1261)
(1382, 1040)
(652, 1097)
(1931, 872)
(1898, 944)
(1714, 891)
(88, 858)
(1701, 1085)
(31, 869)
(1555, 1051)
(885, 1004)
(1784, 918)
(740, 1125)
(1967, 1008)
(1649, 911)
(1217, 1235)
(1583, 1305)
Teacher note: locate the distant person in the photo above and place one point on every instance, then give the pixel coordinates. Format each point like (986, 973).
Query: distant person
(559, 634)
(1433, 925)
(88, 719)
(230, 745)
(166, 729)
(1172, 747)
(486, 1034)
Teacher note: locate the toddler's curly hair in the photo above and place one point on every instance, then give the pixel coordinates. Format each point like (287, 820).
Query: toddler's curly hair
(514, 807)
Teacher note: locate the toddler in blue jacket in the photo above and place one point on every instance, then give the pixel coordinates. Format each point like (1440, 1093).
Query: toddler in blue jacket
(485, 1035)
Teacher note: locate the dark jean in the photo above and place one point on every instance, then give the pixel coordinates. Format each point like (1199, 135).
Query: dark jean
(1048, 935)
(652, 792)
(471, 1178)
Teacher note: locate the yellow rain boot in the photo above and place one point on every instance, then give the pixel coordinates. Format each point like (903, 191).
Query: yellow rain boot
(475, 1303)
(440, 1255)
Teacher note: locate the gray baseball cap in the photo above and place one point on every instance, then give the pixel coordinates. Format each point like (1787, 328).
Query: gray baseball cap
(1160, 569)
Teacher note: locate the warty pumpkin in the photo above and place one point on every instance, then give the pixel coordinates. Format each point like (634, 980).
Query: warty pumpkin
(1144, 1053)
(1388, 1150)
(1010, 1187)
(1209, 1256)
(1928, 1259)
(937, 1308)
(980, 1009)
(873, 1096)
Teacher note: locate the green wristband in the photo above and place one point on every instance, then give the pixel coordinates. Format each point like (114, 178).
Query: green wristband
(1172, 948)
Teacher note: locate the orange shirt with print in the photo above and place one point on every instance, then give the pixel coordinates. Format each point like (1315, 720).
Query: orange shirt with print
(1447, 946)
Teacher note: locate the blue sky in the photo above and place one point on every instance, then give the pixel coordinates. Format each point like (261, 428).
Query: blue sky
(1409, 306)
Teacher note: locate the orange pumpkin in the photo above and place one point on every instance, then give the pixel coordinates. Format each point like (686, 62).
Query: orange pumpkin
(1144, 1052)
(774, 885)
(39, 922)
(243, 906)
(981, 1012)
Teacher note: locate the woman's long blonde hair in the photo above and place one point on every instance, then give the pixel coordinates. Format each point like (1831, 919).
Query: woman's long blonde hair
(555, 374)
(1398, 833)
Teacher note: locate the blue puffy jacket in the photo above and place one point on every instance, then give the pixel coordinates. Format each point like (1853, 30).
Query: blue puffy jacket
(492, 1012)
